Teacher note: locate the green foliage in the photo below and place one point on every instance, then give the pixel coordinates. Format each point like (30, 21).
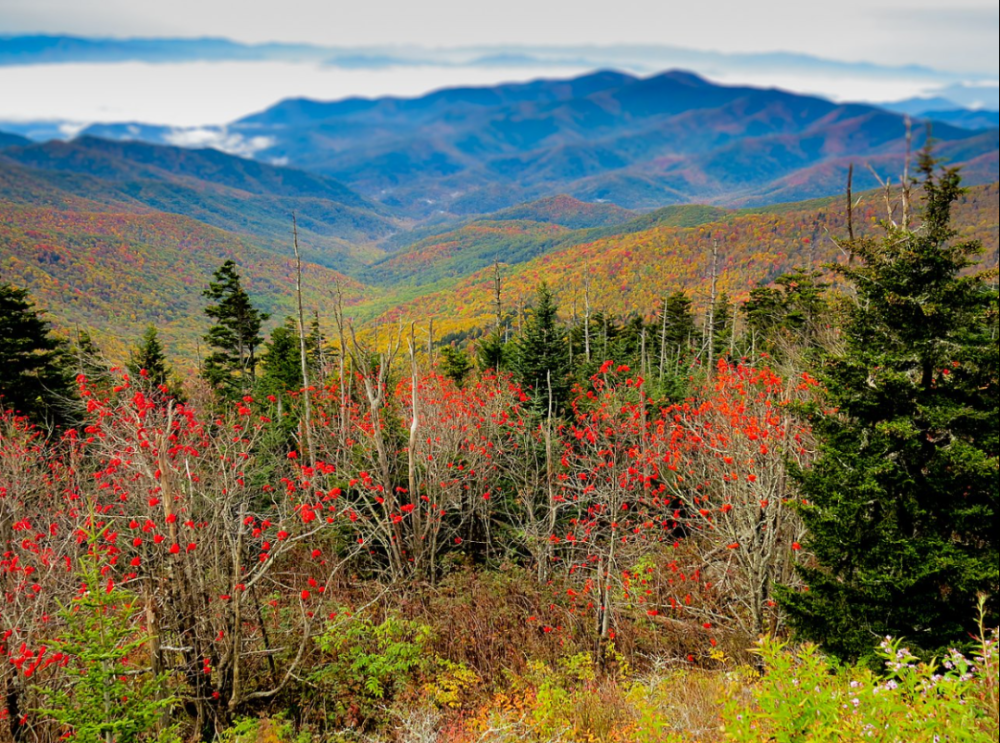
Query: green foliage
(281, 362)
(493, 352)
(371, 663)
(274, 730)
(804, 698)
(678, 326)
(231, 369)
(34, 374)
(541, 359)
(723, 330)
(903, 498)
(455, 364)
(106, 695)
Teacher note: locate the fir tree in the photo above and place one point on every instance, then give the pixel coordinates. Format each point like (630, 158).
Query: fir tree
(316, 342)
(678, 326)
(541, 360)
(231, 369)
(492, 352)
(35, 367)
(722, 322)
(903, 498)
(102, 643)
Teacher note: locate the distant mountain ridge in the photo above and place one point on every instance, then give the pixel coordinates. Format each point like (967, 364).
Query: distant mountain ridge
(12, 140)
(50, 49)
(604, 137)
(638, 142)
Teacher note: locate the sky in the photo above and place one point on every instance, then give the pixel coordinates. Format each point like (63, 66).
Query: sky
(955, 36)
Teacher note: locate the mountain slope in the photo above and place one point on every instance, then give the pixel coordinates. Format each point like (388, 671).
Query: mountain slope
(12, 140)
(567, 212)
(966, 119)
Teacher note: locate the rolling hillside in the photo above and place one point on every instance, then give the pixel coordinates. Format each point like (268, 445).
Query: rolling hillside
(243, 196)
(111, 236)
(12, 140)
(114, 273)
(515, 236)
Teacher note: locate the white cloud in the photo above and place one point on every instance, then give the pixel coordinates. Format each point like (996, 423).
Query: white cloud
(219, 138)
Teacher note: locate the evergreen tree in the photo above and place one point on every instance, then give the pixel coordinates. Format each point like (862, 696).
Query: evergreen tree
(492, 352)
(106, 699)
(147, 360)
(788, 313)
(231, 369)
(281, 362)
(722, 321)
(903, 498)
(316, 342)
(680, 325)
(541, 359)
(35, 369)
(455, 364)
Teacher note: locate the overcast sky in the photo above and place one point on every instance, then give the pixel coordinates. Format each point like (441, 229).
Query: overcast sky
(958, 36)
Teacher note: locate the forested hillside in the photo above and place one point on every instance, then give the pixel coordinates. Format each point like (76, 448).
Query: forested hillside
(629, 272)
(111, 254)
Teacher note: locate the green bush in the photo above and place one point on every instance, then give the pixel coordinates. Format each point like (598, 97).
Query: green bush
(805, 698)
(371, 663)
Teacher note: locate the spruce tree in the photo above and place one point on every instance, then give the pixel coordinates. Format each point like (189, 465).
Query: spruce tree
(108, 695)
(147, 360)
(722, 322)
(680, 325)
(231, 368)
(455, 364)
(902, 502)
(541, 354)
(492, 353)
(281, 362)
(787, 314)
(35, 370)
